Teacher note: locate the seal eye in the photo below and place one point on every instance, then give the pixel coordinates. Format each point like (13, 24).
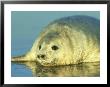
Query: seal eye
(54, 47)
(39, 47)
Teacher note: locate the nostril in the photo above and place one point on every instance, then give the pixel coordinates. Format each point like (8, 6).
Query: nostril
(38, 56)
(42, 56)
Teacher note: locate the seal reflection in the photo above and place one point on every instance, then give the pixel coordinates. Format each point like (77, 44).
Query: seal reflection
(79, 70)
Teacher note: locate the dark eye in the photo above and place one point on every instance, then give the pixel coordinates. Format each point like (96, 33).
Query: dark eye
(39, 47)
(54, 47)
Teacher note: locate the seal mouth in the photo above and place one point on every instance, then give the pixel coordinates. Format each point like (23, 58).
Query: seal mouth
(46, 62)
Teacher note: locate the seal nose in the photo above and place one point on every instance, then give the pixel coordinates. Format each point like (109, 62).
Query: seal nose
(41, 56)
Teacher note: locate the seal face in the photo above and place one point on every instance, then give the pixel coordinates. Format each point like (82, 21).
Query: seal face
(69, 40)
(48, 48)
(52, 49)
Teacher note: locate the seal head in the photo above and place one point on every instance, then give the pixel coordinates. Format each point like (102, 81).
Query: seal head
(51, 50)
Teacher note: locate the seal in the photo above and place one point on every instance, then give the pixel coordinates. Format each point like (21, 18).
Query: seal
(65, 41)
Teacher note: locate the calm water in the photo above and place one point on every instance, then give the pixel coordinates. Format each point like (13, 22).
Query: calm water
(32, 69)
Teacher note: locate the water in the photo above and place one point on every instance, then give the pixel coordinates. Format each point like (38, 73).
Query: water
(32, 69)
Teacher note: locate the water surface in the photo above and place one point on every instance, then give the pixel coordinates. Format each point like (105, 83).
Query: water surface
(32, 69)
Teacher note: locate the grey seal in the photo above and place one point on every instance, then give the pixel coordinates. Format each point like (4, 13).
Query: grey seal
(65, 41)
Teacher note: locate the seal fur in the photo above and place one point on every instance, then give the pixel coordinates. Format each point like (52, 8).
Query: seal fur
(69, 40)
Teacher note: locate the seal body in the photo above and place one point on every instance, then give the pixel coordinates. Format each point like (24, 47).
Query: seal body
(69, 40)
